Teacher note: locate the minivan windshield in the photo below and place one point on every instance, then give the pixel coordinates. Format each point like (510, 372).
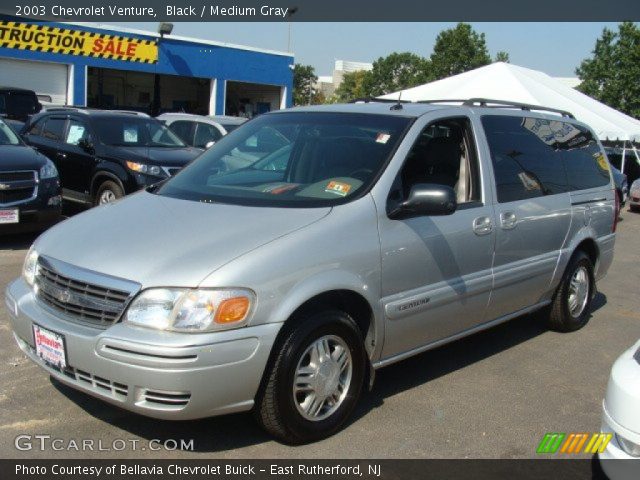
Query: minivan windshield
(292, 159)
(7, 136)
(135, 131)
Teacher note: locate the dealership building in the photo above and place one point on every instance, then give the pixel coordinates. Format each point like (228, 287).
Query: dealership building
(116, 68)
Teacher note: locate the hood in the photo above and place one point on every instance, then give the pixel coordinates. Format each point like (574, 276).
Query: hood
(157, 155)
(20, 157)
(161, 241)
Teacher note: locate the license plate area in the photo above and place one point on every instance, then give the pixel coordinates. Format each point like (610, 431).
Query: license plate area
(50, 347)
(9, 216)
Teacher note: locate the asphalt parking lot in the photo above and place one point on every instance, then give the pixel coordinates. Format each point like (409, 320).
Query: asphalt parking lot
(493, 395)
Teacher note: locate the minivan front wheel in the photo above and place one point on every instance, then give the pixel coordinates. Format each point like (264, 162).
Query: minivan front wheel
(108, 191)
(571, 304)
(315, 379)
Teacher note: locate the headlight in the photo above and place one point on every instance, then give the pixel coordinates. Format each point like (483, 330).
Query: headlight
(154, 170)
(30, 266)
(628, 446)
(48, 170)
(191, 310)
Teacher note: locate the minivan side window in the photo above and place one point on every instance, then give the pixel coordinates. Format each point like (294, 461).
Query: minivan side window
(54, 129)
(525, 158)
(443, 154)
(586, 164)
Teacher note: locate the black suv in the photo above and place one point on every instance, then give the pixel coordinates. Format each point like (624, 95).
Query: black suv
(29, 186)
(18, 103)
(103, 155)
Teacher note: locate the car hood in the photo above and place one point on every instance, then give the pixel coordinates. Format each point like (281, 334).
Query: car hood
(20, 157)
(161, 241)
(157, 155)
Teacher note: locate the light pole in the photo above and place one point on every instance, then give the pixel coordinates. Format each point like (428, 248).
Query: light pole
(164, 28)
(290, 13)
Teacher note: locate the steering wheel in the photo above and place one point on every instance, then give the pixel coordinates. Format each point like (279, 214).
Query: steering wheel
(360, 173)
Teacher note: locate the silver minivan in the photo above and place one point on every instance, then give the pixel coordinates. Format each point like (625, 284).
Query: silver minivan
(362, 234)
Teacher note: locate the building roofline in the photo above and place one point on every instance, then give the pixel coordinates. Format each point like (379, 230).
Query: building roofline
(135, 31)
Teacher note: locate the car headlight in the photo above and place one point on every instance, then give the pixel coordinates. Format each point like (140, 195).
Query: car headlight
(191, 310)
(48, 170)
(30, 266)
(628, 446)
(154, 170)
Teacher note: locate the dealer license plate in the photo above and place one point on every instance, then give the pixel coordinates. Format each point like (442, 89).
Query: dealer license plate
(50, 346)
(9, 216)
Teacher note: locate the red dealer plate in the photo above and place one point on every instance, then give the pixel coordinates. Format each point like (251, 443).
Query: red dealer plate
(50, 346)
(9, 216)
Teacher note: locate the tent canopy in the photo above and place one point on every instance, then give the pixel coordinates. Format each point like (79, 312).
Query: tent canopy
(511, 83)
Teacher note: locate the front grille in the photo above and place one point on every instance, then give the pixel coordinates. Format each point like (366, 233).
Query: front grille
(117, 390)
(167, 399)
(18, 186)
(82, 302)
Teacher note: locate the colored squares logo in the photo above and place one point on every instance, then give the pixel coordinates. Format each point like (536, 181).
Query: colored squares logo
(568, 443)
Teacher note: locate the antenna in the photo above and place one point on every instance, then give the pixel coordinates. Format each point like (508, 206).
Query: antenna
(398, 106)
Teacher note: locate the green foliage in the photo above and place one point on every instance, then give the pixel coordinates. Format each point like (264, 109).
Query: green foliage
(304, 80)
(352, 86)
(502, 56)
(611, 74)
(458, 50)
(396, 72)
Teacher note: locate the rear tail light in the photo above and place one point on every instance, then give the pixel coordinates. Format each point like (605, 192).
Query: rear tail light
(616, 212)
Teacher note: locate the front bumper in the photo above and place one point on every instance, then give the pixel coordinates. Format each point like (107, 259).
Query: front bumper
(159, 374)
(37, 213)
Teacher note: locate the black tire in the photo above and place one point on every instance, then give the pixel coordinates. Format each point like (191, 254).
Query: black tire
(560, 317)
(276, 410)
(108, 186)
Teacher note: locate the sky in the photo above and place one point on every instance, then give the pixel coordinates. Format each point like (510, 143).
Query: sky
(555, 48)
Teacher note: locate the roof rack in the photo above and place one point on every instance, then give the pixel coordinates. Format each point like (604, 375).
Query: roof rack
(491, 103)
(79, 109)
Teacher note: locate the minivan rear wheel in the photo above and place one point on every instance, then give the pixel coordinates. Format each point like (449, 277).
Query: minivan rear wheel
(570, 308)
(108, 191)
(315, 379)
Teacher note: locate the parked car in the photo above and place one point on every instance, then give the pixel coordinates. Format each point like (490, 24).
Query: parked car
(228, 122)
(622, 187)
(103, 155)
(621, 417)
(195, 130)
(18, 103)
(362, 235)
(630, 166)
(29, 186)
(634, 196)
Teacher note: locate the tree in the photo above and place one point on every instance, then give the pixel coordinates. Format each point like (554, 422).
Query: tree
(395, 72)
(611, 74)
(304, 84)
(458, 50)
(502, 56)
(352, 86)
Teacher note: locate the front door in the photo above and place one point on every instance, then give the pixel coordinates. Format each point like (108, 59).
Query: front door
(436, 270)
(78, 157)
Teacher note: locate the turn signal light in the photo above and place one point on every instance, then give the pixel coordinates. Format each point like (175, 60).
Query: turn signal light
(232, 310)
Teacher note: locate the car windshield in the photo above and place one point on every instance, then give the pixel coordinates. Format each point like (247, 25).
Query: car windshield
(293, 159)
(135, 132)
(7, 136)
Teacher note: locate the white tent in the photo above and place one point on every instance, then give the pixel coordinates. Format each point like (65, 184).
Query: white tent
(507, 82)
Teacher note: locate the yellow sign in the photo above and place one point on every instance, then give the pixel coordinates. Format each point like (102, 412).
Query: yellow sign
(43, 38)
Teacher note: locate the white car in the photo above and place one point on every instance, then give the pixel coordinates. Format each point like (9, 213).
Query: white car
(621, 417)
(634, 196)
(195, 130)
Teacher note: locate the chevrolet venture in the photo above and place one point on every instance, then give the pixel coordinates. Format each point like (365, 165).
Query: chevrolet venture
(367, 233)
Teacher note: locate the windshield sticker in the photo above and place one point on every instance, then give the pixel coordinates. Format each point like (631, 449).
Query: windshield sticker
(76, 132)
(130, 135)
(338, 188)
(382, 137)
(602, 162)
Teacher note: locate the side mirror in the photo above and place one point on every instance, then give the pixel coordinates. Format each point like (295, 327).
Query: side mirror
(426, 199)
(86, 145)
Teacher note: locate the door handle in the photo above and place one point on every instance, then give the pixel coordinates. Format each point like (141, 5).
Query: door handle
(482, 225)
(508, 220)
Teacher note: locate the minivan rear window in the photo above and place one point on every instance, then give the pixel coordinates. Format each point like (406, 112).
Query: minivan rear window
(535, 156)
